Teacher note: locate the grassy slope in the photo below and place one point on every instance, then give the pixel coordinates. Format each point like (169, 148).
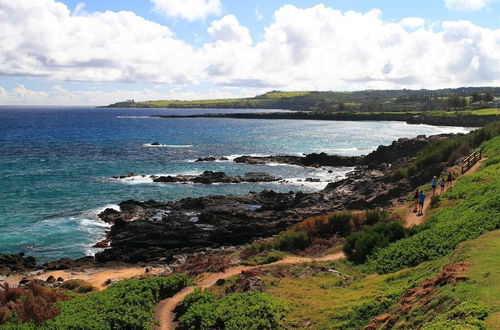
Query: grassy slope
(369, 100)
(324, 301)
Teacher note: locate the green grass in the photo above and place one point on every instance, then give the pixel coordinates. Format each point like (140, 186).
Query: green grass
(325, 301)
(470, 304)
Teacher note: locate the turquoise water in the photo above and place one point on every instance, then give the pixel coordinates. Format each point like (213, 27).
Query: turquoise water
(56, 164)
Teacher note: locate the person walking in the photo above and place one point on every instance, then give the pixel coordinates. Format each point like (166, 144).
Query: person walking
(434, 184)
(442, 184)
(415, 201)
(449, 180)
(421, 200)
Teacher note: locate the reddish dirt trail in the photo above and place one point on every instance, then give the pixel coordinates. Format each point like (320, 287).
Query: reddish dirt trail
(412, 219)
(164, 312)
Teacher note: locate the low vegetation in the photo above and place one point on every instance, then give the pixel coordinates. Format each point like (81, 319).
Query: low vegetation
(360, 245)
(128, 304)
(476, 210)
(447, 151)
(311, 232)
(248, 310)
(33, 303)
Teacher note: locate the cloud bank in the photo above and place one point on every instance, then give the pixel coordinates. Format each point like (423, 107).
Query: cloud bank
(316, 48)
(188, 9)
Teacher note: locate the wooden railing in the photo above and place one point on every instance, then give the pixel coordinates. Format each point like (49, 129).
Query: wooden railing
(470, 160)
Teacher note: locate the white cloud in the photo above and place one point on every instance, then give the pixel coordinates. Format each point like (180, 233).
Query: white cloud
(467, 5)
(228, 29)
(188, 9)
(316, 48)
(413, 22)
(258, 14)
(42, 38)
(58, 95)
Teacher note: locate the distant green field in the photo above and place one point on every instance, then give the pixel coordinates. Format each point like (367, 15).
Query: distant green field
(394, 101)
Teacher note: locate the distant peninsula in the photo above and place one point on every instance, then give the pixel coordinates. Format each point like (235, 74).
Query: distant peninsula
(405, 100)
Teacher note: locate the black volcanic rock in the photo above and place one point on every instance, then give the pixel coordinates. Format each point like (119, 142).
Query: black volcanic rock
(210, 177)
(168, 179)
(313, 160)
(161, 229)
(16, 263)
(211, 159)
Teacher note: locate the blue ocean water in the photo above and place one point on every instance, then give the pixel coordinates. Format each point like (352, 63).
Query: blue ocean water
(56, 164)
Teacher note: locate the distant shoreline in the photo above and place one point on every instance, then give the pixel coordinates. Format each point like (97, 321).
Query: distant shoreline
(436, 120)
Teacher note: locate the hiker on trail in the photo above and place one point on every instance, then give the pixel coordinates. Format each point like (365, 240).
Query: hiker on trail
(434, 184)
(449, 180)
(415, 201)
(441, 184)
(421, 200)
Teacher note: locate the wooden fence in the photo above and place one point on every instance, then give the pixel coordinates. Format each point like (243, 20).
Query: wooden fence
(470, 160)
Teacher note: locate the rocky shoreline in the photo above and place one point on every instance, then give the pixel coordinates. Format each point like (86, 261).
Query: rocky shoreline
(158, 232)
(459, 120)
(207, 177)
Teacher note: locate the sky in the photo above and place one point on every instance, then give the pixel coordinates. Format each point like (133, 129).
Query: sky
(94, 52)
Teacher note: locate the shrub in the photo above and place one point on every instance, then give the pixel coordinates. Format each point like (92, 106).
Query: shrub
(34, 304)
(340, 223)
(362, 244)
(238, 311)
(78, 286)
(291, 240)
(376, 215)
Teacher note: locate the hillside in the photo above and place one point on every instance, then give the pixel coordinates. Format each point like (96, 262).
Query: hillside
(443, 274)
(368, 100)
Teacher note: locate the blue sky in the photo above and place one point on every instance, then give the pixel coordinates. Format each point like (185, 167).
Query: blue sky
(80, 52)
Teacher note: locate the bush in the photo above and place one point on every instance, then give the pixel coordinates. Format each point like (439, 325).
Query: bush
(362, 244)
(78, 286)
(291, 240)
(376, 215)
(35, 304)
(238, 311)
(340, 223)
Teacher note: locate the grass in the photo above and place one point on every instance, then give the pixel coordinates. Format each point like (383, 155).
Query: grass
(325, 301)
(470, 304)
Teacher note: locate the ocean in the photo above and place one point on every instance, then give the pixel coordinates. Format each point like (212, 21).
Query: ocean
(57, 164)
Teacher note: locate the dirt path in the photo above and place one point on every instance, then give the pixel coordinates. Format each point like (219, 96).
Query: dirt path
(412, 219)
(95, 276)
(164, 312)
